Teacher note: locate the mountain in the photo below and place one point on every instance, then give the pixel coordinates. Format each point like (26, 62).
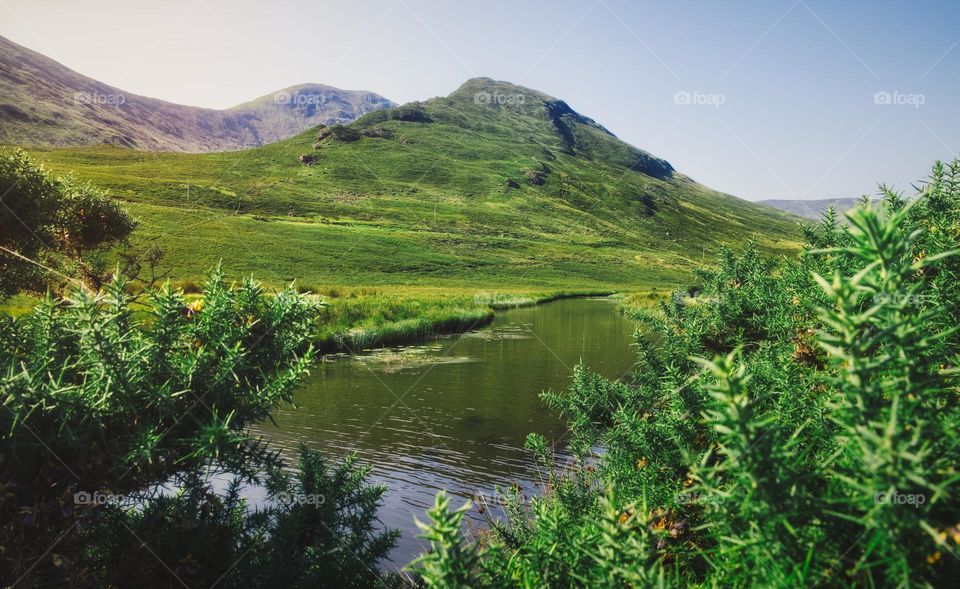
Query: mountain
(297, 108)
(45, 103)
(811, 209)
(495, 184)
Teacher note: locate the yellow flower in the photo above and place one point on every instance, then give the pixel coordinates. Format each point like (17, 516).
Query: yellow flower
(955, 534)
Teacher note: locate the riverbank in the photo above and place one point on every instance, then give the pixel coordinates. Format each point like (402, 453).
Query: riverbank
(634, 302)
(501, 301)
(361, 318)
(370, 318)
(372, 321)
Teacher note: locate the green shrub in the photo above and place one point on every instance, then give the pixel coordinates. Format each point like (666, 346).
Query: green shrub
(102, 401)
(320, 529)
(818, 447)
(52, 224)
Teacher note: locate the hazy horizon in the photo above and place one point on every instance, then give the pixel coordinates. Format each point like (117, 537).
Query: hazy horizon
(796, 100)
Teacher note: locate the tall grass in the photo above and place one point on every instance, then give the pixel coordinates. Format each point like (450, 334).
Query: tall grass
(364, 318)
(352, 324)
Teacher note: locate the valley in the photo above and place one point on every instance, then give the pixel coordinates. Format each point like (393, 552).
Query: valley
(489, 332)
(448, 193)
(413, 217)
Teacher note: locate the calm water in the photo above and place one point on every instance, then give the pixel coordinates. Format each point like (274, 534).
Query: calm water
(453, 413)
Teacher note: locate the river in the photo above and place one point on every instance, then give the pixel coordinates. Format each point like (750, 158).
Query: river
(453, 413)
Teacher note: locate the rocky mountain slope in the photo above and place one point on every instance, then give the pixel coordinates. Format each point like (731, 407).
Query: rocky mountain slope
(811, 209)
(45, 103)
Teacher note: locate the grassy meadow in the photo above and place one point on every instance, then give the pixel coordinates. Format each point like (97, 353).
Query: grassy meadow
(417, 213)
(445, 193)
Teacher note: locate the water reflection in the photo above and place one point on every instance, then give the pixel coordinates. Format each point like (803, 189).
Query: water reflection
(453, 414)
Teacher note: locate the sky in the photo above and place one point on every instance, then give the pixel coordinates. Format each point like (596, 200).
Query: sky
(798, 99)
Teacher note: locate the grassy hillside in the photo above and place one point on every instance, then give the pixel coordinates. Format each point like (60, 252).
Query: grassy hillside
(495, 186)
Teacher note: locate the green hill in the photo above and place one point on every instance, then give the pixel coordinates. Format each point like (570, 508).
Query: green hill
(495, 185)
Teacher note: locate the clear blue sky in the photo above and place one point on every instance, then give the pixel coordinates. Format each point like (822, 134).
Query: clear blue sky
(786, 89)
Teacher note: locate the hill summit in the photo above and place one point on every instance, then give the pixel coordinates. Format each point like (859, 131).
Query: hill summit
(579, 134)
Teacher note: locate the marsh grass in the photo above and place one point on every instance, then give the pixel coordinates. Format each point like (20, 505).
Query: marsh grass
(368, 318)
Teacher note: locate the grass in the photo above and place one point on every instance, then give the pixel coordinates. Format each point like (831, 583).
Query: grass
(640, 300)
(530, 201)
(377, 319)
(18, 305)
(369, 318)
(432, 204)
(355, 319)
(514, 300)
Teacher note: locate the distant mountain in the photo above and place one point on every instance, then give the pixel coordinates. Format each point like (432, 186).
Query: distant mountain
(493, 184)
(811, 209)
(45, 103)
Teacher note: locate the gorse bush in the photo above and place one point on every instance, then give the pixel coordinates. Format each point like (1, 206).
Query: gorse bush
(57, 222)
(105, 401)
(788, 424)
(319, 530)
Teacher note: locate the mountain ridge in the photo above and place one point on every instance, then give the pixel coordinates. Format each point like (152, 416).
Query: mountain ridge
(43, 102)
(810, 209)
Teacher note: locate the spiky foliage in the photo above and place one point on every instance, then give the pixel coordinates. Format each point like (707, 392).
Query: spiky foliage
(818, 446)
(449, 563)
(319, 529)
(103, 400)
